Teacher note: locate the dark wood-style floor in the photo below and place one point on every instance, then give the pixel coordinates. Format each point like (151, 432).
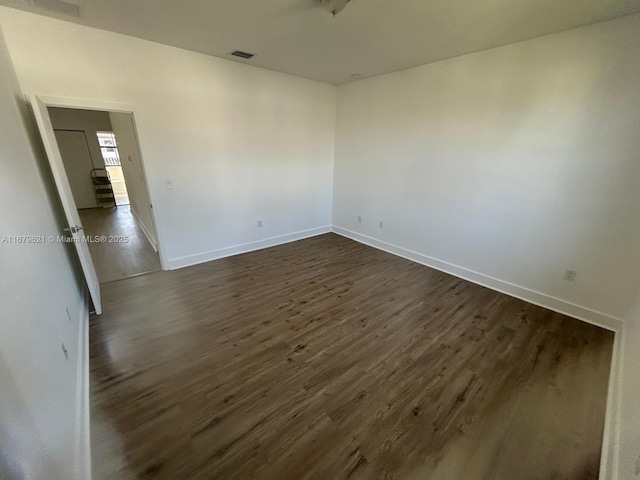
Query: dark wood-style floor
(326, 359)
(115, 260)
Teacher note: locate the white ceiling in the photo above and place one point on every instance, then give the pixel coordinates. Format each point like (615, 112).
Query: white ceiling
(370, 37)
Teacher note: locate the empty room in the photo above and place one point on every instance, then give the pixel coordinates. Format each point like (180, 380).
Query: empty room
(319, 239)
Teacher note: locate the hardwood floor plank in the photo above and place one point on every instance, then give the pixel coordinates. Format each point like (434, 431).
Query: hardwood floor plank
(325, 358)
(115, 260)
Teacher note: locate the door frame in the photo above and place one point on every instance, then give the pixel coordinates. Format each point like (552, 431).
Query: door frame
(86, 104)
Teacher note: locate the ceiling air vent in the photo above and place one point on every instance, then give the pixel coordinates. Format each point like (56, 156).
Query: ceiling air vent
(58, 6)
(241, 54)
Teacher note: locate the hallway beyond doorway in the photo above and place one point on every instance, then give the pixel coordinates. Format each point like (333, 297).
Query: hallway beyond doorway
(129, 254)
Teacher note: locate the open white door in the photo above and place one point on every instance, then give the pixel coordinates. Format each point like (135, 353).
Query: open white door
(64, 189)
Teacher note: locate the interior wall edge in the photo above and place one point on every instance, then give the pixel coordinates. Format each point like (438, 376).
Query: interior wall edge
(188, 261)
(83, 435)
(579, 312)
(610, 457)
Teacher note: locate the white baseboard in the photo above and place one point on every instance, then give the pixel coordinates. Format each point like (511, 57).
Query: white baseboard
(181, 262)
(83, 435)
(543, 300)
(145, 230)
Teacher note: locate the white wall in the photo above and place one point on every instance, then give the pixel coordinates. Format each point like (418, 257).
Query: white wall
(240, 144)
(89, 121)
(39, 417)
(507, 166)
(123, 127)
(77, 164)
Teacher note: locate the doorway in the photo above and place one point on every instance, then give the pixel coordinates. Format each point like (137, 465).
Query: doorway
(102, 162)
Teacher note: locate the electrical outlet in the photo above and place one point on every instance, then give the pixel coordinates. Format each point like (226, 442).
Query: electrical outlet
(259, 223)
(359, 218)
(570, 275)
(381, 224)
